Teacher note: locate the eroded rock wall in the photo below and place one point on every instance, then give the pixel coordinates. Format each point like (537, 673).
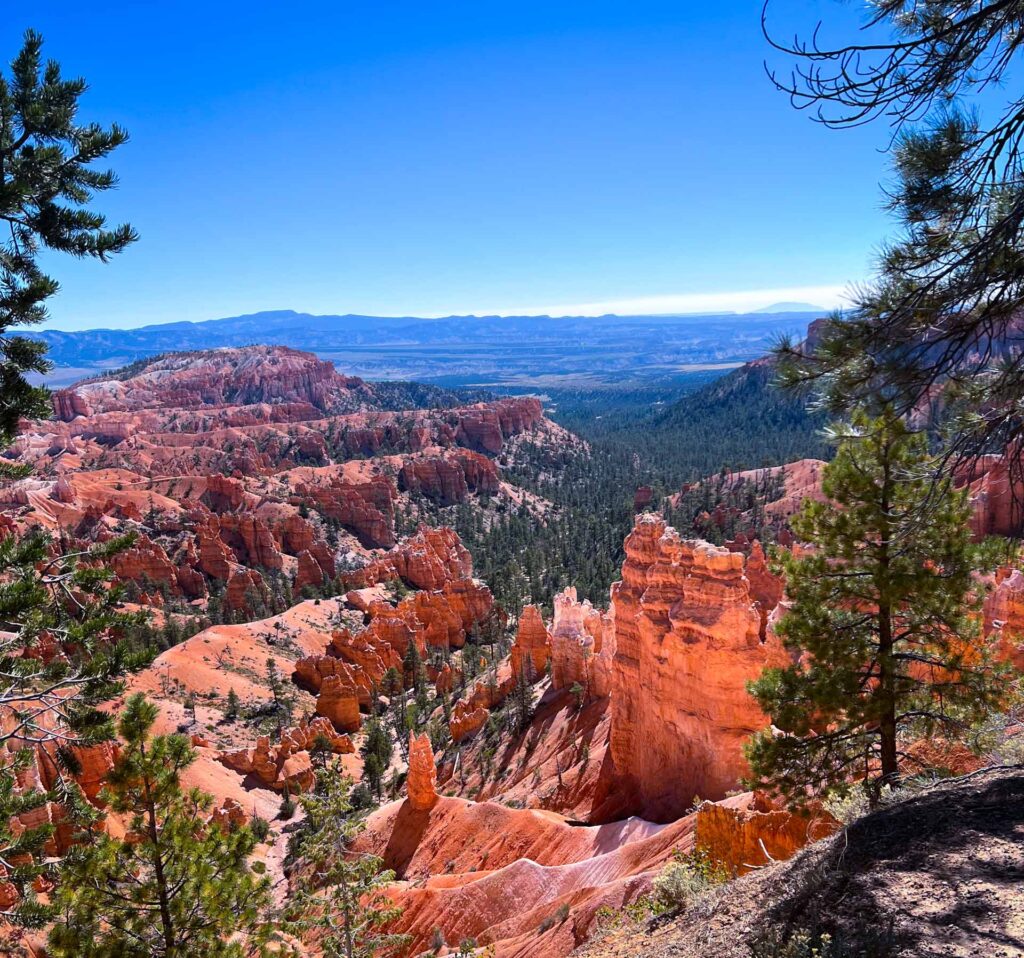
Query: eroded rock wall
(688, 638)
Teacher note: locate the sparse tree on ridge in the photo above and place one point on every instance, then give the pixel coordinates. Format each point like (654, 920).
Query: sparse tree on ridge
(882, 622)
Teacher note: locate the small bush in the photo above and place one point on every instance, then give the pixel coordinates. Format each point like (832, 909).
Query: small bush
(555, 919)
(865, 942)
(361, 797)
(686, 878)
(260, 828)
(849, 805)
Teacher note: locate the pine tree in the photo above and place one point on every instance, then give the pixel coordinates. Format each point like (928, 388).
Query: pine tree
(175, 886)
(46, 184)
(320, 751)
(521, 703)
(51, 700)
(377, 751)
(416, 677)
(342, 903)
(882, 620)
(233, 706)
(284, 697)
(48, 602)
(947, 299)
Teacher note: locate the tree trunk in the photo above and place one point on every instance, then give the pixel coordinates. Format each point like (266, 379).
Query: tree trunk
(887, 697)
(167, 925)
(886, 694)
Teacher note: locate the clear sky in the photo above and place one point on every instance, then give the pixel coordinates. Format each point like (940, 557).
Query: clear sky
(398, 158)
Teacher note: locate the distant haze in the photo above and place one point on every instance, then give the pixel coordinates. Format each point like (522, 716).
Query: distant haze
(504, 353)
(792, 308)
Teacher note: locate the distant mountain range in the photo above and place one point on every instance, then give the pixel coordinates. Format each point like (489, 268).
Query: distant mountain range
(793, 308)
(499, 351)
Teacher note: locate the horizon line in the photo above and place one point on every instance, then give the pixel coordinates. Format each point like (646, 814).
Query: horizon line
(817, 298)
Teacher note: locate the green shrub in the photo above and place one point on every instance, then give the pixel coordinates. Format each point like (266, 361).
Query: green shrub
(260, 828)
(864, 942)
(686, 877)
(555, 919)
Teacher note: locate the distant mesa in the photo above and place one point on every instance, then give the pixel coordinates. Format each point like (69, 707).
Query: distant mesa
(794, 308)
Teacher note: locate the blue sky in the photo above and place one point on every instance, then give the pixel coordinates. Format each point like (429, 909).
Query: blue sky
(426, 159)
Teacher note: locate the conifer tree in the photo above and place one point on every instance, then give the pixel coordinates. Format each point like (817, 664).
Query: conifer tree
(284, 697)
(416, 677)
(50, 700)
(233, 706)
(175, 886)
(342, 903)
(58, 613)
(882, 622)
(377, 751)
(947, 299)
(47, 181)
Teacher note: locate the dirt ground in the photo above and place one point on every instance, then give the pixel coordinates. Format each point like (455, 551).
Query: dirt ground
(939, 874)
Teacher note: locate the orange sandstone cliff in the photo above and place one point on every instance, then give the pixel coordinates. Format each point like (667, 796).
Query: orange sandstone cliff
(688, 637)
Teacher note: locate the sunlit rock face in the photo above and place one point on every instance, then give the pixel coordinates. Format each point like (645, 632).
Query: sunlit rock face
(688, 637)
(582, 646)
(531, 652)
(421, 782)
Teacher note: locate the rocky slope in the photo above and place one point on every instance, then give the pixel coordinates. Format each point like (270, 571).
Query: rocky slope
(936, 875)
(994, 482)
(248, 474)
(541, 785)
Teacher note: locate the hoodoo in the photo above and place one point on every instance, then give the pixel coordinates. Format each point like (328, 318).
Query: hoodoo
(687, 640)
(421, 783)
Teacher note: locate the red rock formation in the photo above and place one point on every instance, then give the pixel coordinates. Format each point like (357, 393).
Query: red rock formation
(445, 680)
(311, 671)
(367, 508)
(339, 702)
(287, 764)
(369, 654)
(230, 377)
(214, 557)
(642, 498)
(421, 782)
(146, 561)
(449, 479)
(310, 572)
(765, 588)
(245, 587)
(749, 836)
(486, 427)
(582, 646)
(428, 560)
(996, 490)
(532, 649)
(428, 619)
(250, 539)
(42, 773)
(228, 815)
(95, 762)
(223, 494)
(498, 874)
(471, 712)
(1004, 617)
(467, 720)
(688, 639)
